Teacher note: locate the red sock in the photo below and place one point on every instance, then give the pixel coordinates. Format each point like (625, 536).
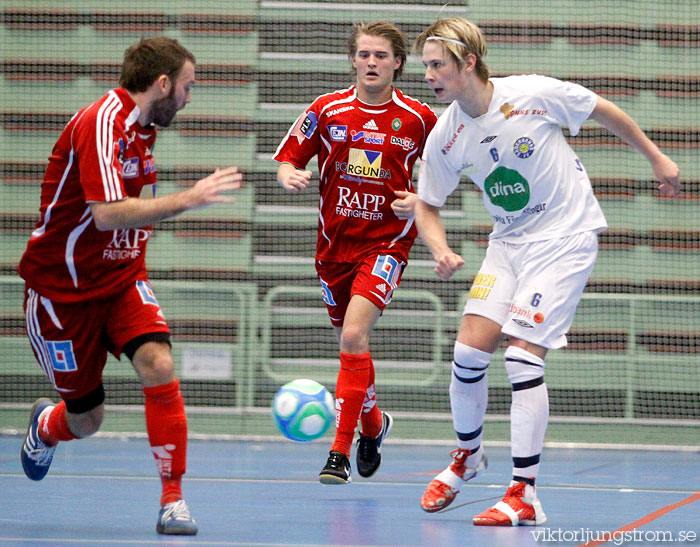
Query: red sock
(371, 417)
(54, 427)
(349, 393)
(166, 425)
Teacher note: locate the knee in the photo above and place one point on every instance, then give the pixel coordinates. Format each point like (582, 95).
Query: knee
(524, 368)
(469, 365)
(86, 423)
(154, 364)
(354, 339)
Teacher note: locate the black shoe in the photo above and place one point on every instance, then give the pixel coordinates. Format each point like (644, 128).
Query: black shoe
(369, 450)
(337, 469)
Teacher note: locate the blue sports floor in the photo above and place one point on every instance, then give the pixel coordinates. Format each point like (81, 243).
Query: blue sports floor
(104, 491)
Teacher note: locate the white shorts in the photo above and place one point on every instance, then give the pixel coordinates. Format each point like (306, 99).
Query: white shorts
(532, 289)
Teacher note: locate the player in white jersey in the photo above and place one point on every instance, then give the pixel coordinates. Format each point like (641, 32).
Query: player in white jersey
(506, 135)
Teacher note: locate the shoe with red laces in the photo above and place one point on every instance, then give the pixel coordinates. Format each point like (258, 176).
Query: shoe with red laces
(519, 507)
(442, 489)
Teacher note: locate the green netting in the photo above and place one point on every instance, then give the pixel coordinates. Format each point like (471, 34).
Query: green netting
(237, 284)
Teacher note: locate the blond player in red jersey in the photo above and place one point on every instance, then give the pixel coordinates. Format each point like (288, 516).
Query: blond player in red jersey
(87, 291)
(367, 138)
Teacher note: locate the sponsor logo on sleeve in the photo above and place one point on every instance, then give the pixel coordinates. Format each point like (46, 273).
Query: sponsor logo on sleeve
(452, 141)
(304, 128)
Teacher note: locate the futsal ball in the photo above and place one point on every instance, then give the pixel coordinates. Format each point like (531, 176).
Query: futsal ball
(303, 410)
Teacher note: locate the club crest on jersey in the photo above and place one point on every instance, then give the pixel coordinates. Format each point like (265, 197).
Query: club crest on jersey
(396, 124)
(338, 133)
(523, 147)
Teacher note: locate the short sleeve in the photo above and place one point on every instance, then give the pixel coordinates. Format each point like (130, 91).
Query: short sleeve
(302, 141)
(437, 179)
(571, 104)
(97, 154)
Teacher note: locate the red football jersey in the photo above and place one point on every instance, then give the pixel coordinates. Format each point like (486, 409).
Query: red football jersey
(103, 155)
(365, 153)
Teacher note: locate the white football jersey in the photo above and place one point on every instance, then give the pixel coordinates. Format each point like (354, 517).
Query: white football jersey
(534, 186)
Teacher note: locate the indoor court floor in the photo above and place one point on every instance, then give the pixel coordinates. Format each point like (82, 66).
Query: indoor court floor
(104, 491)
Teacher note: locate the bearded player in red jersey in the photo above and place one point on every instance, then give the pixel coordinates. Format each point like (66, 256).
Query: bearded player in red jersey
(367, 138)
(87, 291)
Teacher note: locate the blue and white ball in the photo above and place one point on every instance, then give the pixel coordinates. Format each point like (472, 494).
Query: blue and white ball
(303, 410)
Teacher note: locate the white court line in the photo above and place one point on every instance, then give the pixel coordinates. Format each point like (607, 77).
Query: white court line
(403, 442)
(373, 483)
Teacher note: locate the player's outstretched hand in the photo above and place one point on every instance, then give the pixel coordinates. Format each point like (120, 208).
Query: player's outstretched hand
(296, 181)
(404, 206)
(448, 264)
(667, 172)
(211, 189)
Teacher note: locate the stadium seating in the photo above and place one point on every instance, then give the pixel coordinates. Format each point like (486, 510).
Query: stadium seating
(259, 64)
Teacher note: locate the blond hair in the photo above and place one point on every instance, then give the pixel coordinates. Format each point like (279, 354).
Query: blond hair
(458, 37)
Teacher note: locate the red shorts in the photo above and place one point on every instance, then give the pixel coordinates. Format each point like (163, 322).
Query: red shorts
(375, 278)
(71, 340)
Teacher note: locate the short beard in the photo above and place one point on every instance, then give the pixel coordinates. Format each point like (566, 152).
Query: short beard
(163, 110)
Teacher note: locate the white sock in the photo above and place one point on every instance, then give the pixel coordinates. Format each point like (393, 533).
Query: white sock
(529, 411)
(469, 398)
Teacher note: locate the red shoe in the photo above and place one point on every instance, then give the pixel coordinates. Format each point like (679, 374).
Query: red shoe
(443, 489)
(519, 507)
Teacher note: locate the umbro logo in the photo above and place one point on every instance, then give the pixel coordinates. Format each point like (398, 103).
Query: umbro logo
(524, 324)
(489, 139)
(371, 125)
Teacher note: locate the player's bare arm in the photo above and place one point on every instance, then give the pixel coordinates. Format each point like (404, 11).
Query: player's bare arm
(433, 234)
(293, 180)
(615, 120)
(136, 212)
(404, 204)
